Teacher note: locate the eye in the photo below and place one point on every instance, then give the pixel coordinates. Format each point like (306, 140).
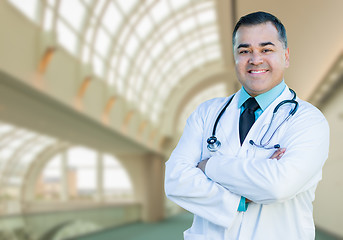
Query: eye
(243, 51)
(266, 50)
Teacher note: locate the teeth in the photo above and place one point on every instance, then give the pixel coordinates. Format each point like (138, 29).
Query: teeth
(258, 71)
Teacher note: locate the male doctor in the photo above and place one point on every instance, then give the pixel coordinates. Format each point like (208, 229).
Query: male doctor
(244, 191)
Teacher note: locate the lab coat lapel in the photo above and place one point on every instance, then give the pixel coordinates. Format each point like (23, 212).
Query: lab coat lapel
(228, 127)
(262, 123)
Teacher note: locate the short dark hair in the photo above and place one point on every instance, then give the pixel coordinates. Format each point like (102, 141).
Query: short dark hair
(258, 18)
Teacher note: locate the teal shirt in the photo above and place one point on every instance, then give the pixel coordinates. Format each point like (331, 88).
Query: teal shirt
(263, 100)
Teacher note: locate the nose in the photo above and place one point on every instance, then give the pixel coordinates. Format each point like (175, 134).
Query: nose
(255, 59)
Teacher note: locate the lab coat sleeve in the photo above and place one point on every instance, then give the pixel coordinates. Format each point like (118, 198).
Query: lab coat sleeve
(189, 187)
(267, 181)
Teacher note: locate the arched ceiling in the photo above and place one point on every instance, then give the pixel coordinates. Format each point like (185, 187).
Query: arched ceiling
(144, 51)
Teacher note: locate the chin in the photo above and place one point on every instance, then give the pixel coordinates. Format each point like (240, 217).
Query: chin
(257, 90)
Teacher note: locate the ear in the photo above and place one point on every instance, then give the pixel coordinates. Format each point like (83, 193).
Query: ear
(287, 58)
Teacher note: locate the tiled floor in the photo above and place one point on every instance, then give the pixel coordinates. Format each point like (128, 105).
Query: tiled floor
(170, 229)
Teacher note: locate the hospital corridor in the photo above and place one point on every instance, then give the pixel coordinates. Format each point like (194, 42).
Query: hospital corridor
(95, 94)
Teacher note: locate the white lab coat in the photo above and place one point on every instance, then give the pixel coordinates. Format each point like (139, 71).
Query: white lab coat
(282, 190)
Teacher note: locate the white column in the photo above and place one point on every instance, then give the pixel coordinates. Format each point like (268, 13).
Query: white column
(64, 177)
(100, 178)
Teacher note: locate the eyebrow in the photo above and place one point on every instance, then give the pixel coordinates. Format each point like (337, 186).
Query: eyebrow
(243, 45)
(266, 44)
(263, 44)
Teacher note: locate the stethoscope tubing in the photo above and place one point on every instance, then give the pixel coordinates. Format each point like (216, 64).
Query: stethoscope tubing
(213, 144)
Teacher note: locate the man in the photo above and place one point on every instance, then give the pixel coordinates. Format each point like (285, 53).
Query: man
(251, 188)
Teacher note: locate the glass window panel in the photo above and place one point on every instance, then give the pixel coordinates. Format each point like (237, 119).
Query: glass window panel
(132, 45)
(112, 18)
(86, 181)
(51, 3)
(85, 54)
(129, 94)
(193, 45)
(138, 82)
(160, 11)
(205, 5)
(124, 66)
(66, 37)
(89, 34)
(144, 27)
(198, 61)
(6, 153)
(123, 36)
(20, 140)
(48, 19)
(102, 42)
(157, 49)
(98, 66)
(5, 128)
(120, 85)
(27, 7)
(176, 4)
(171, 36)
(145, 95)
(213, 55)
(210, 38)
(143, 107)
(48, 182)
(154, 117)
(126, 5)
(181, 53)
(14, 180)
(166, 67)
(111, 77)
(73, 12)
(99, 4)
(179, 71)
(118, 181)
(187, 24)
(206, 17)
(116, 177)
(154, 76)
(36, 149)
(114, 61)
(211, 48)
(81, 157)
(88, 2)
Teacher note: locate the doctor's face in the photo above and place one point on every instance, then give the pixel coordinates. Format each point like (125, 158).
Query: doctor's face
(260, 57)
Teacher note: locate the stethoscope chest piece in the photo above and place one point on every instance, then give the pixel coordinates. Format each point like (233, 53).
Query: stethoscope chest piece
(213, 144)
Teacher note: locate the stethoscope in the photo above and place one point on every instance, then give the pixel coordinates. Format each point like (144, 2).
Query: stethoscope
(213, 144)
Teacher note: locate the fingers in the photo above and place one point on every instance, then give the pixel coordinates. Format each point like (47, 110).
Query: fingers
(278, 153)
(202, 165)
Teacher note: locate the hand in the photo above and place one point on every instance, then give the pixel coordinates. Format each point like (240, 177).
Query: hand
(202, 165)
(278, 153)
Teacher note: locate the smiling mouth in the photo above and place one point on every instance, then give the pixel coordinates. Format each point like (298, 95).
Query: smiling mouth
(258, 71)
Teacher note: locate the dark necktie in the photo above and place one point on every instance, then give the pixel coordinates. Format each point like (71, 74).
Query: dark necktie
(247, 117)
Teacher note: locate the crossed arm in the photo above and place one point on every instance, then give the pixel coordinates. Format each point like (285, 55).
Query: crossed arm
(277, 155)
(215, 195)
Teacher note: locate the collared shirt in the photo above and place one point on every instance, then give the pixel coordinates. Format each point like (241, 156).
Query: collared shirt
(263, 100)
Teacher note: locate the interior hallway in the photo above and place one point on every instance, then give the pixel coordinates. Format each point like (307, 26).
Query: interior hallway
(94, 95)
(169, 229)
